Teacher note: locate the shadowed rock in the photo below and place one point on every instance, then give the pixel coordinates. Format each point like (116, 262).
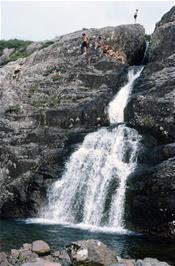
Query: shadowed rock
(151, 108)
(150, 204)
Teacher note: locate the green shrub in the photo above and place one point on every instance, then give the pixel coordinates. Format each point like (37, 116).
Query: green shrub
(16, 55)
(147, 37)
(13, 109)
(14, 43)
(46, 44)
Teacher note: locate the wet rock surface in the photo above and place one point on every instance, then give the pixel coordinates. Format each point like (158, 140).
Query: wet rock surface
(90, 252)
(58, 97)
(150, 205)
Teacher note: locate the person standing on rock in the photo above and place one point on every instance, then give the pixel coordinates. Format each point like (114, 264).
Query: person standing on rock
(135, 15)
(84, 44)
(99, 46)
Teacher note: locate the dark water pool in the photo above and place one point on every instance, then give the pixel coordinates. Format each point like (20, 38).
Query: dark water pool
(14, 233)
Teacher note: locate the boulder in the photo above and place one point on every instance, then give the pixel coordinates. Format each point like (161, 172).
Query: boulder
(151, 262)
(124, 262)
(62, 255)
(41, 262)
(40, 247)
(90, 252)
(3, 259)
(24, 254)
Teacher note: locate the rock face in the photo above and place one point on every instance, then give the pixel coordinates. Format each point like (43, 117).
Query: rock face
(150, 205)
(57, 98)
(151, 108)
(90, 252)
(163, 39)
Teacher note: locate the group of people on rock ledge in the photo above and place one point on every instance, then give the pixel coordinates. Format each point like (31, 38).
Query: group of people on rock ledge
(101, 48)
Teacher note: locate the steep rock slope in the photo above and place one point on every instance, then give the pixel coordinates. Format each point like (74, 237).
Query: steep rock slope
(150, 204)
(43, 114)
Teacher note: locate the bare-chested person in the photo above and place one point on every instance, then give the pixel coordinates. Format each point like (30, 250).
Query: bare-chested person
(85, 43)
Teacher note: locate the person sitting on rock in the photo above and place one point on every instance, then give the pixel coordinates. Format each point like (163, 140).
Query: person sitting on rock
(135, 15)
(108, 50)
(117, 54)
(121, 56)
(84, 44)
(56, 72)
(17, 71)
(99, 46)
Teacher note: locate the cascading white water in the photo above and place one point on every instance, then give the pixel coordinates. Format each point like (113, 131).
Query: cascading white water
(92, 189)
(117, 106)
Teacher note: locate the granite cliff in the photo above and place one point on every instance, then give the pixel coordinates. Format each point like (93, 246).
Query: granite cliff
(150, 205)
(44, 115)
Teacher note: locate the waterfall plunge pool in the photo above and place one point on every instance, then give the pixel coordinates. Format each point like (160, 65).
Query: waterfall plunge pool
(101, 158)
(14, 233)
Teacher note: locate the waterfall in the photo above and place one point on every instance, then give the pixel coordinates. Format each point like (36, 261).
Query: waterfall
(91, 191)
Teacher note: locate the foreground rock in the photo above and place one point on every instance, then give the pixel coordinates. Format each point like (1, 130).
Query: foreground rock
(90, 252)
(41, 262)
(38, 254)
(3, 259)
(40, 247)
(95, 253)
(150, 262)
(43, 115)
(85, 252)
(145, 262)
(150, 205)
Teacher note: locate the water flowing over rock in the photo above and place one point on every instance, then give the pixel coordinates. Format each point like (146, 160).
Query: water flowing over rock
(43, 115)
(92, 189)
(150, 205)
